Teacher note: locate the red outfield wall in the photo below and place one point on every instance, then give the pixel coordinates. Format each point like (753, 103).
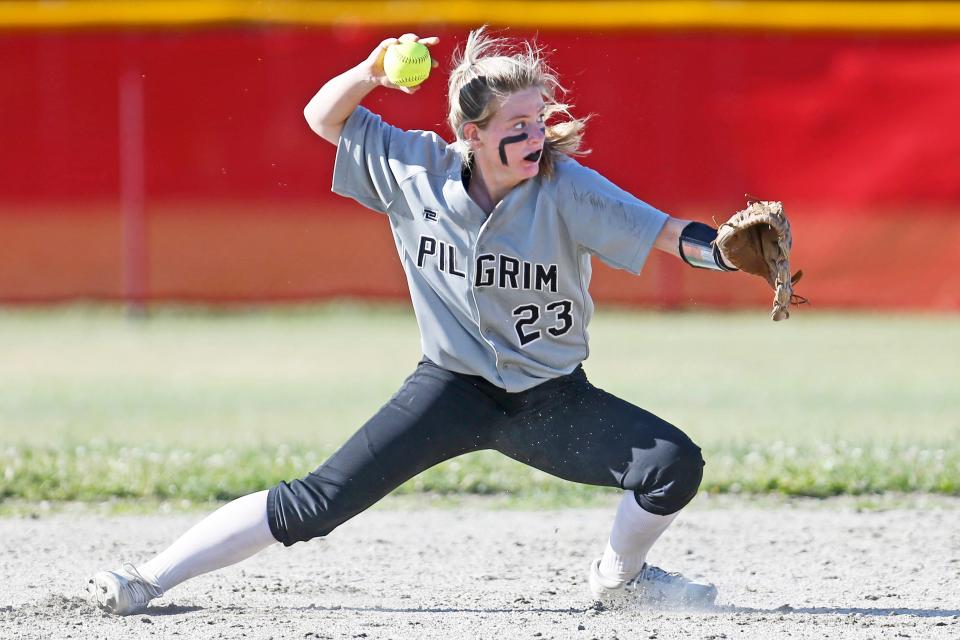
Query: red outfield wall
(858, 134)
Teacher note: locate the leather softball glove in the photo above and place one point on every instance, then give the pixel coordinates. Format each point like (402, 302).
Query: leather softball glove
(757, 240)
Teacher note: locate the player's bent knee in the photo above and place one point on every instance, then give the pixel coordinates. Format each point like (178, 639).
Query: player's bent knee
(297, 511)
(670, 485)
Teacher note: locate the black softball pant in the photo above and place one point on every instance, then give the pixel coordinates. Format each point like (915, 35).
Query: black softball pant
(565, 427)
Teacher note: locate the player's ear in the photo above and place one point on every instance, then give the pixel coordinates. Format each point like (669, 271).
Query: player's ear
(471, 133)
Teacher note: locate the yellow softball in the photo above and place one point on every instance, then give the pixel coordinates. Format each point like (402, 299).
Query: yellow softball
(407, 64)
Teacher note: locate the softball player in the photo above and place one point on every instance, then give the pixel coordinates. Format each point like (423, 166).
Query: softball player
(496, 233)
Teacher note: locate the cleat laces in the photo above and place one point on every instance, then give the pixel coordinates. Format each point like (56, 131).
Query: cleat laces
(656, 585)
(139, 590)
(656, 574)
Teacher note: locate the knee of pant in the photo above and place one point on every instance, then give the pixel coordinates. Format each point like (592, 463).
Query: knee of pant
(298, 512)
(667, 485)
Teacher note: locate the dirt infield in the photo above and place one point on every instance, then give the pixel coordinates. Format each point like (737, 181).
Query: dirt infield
(803, 570)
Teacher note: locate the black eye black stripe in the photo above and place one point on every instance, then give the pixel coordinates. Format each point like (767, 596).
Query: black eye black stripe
(503, 143)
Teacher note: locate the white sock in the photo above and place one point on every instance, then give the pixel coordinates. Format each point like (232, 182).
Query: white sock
(230, 534)
(634, 532)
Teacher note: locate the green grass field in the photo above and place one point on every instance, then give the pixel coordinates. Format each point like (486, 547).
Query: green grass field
(206, 405)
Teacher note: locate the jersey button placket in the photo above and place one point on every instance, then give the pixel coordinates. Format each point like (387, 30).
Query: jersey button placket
(484, 326)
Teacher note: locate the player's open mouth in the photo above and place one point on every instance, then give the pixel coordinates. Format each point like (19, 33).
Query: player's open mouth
(533, 157)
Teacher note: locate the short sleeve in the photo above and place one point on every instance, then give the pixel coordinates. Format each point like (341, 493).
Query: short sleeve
(604, 219)
(374, 158)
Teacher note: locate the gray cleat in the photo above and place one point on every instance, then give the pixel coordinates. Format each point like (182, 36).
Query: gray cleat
(122, 592)
(651, 587)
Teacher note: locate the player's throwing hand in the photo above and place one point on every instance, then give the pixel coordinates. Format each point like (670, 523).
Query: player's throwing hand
(374, 62)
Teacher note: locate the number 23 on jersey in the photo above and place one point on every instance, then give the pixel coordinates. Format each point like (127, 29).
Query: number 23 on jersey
(529, 314)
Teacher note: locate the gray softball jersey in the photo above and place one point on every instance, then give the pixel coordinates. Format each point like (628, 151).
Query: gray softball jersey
(502, 296)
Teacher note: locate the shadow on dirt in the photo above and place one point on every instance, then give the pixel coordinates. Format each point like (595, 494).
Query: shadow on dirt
(169, 610)
(439, 609)
(845, 611)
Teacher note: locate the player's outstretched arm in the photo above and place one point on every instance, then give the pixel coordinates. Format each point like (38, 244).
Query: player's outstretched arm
(329, 109)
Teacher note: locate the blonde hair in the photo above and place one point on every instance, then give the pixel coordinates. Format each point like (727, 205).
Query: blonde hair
(486, 71)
